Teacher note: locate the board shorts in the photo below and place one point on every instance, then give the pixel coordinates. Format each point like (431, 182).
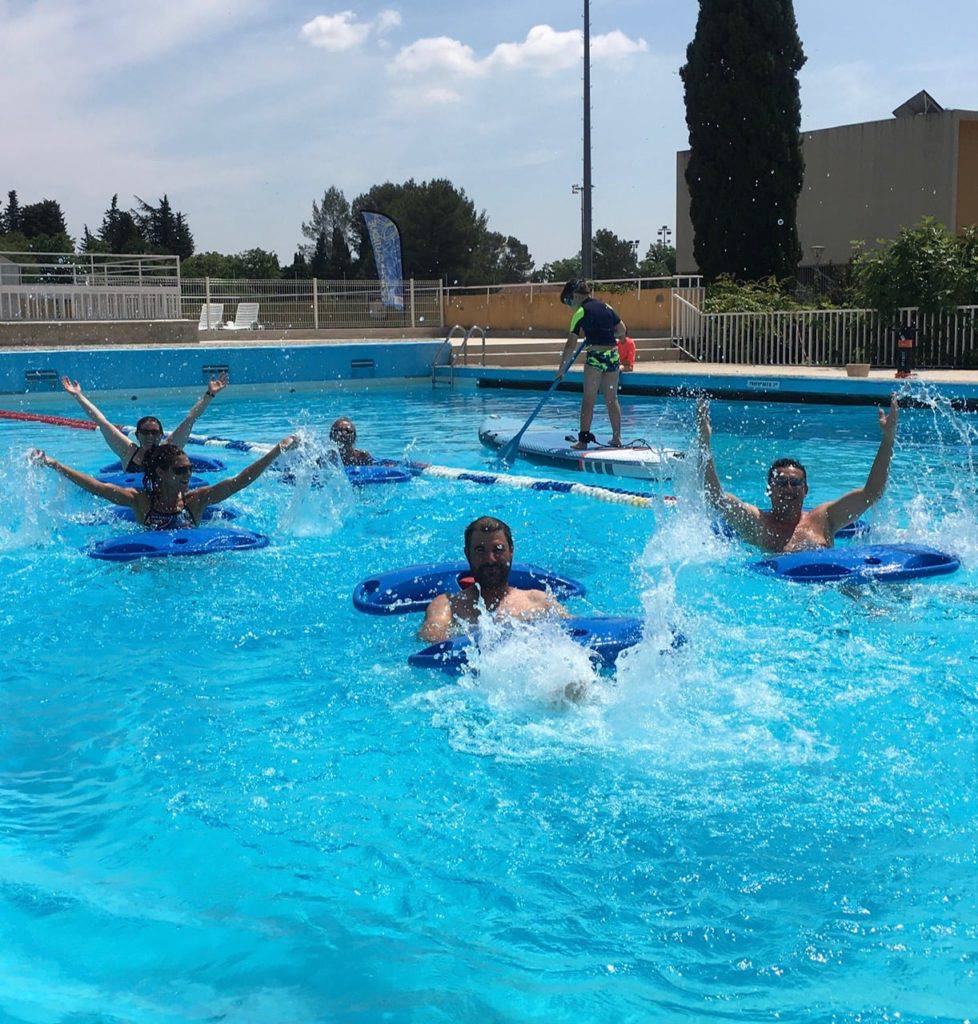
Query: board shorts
(606, 360)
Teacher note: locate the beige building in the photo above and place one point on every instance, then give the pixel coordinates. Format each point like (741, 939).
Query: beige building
(866, 181)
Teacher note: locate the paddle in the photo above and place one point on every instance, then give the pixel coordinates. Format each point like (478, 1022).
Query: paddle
(508, 451)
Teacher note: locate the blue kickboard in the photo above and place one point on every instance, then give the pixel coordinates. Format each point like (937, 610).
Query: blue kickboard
(212, 512)
(859, 528)
(201, 540)
(136, 480)
(360, 476)
(412, 589)
(605, 636)
(198, 463)
(870, 563)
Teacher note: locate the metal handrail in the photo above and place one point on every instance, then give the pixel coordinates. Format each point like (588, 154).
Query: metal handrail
(451, 362)
(465, 343)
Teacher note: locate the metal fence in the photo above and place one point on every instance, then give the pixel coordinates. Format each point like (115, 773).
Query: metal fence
(44, 286)
(314, 303)
(825, 337)
(533, 288)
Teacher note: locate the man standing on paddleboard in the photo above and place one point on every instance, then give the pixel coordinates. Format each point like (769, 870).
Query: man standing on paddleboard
(601, 327)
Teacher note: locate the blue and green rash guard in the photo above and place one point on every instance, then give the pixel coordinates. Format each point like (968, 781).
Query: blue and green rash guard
(595, 321)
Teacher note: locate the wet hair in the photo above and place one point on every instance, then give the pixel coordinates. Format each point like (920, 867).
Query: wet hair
(574, 287)
(783, 464)
(163, 456)
(487, 524)
(333, 430)
(146, 421)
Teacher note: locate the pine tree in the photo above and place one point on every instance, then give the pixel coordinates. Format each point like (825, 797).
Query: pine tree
(340, 263)
(744, 113)
(333, 212)
(319, 264)
(12, 216)
(119, 232)
(183, 240)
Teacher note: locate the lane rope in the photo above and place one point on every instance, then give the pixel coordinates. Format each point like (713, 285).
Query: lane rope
(612, 495)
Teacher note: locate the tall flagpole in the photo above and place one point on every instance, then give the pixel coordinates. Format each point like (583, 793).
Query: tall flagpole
(587, 263)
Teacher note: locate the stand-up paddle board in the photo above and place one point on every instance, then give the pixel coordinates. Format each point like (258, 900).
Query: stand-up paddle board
(552, 447)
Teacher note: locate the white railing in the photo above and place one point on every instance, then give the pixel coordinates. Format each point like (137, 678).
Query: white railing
(824, 337)
(315, 303)
(89, 270)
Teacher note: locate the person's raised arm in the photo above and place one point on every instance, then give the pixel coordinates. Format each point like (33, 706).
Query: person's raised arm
(200, 498)
(180, 435)
(114, 437)
(437, 625)
(744, 518)
(852, 505)
(111, 492)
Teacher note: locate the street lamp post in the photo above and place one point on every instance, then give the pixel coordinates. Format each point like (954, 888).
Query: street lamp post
(587, 255)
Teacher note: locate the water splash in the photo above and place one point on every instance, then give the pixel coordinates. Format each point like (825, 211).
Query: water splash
(322, 499)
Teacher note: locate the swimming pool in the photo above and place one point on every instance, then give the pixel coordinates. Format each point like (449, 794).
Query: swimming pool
(227, 797)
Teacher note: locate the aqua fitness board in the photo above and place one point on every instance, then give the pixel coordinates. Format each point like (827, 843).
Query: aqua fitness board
(551, 447)
(859, 528)
(870, 563)
(359, 476)
(136, 480)
(225, 512)
(201, 540)
(606, 637)
(198, 463)
(413, 588)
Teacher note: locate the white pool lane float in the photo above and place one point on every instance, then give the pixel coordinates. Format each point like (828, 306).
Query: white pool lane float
(552, 447)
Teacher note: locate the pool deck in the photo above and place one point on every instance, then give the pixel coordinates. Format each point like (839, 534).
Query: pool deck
(745, 383)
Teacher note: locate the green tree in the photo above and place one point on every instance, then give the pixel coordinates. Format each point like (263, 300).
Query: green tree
(502, 259)
(319, 264)
(207, 264)
(119, 232)
(11, 218)
(660, 261)
(183, 240)
(441, 230)
(332, 213)
(743, 111)
(563, 270)
(43, 218)
(926, 266)
(613, 256)
(298, 270)
(339, 265)
(164, 231)
(258, 264)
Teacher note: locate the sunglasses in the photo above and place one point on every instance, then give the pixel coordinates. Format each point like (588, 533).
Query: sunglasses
(344, 432)
(180, 471)
(150, 433)
(788, 481)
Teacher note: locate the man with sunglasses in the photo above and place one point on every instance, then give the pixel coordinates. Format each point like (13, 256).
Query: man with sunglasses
(788, 526)
(344, 435)
(602, 329)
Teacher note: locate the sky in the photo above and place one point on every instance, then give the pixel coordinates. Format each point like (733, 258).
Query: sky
(244, 112)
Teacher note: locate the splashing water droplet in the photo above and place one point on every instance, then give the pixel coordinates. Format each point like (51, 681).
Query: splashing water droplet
(780, 222)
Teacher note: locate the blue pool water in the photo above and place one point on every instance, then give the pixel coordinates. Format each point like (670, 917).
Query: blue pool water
(227, 798)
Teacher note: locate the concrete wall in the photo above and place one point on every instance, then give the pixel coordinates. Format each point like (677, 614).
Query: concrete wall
(864, 182)
(98, 332)
(107, 369)
(512, 309)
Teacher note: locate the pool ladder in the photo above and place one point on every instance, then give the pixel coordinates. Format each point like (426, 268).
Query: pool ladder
(464, 349)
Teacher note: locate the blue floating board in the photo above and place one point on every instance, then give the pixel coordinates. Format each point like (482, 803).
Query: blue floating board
(201, 540)
(859, 528)
(412, 589)
(225, 512)
(360, 476)
(136, 480)
(606, 637)
(198, 463)
(870, 563)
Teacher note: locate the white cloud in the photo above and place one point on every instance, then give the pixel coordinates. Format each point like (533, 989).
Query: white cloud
(345, 31)
(336, 32)
(544, 50)
(387, 20)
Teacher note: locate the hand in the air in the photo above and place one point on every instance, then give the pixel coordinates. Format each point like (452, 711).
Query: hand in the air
(888, 423)
(72, 387)
(288, 442)
(219, 383)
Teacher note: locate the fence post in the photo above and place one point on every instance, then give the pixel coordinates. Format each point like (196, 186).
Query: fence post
(441, 301)
(207, 302)
(315, 303)
(412, 302)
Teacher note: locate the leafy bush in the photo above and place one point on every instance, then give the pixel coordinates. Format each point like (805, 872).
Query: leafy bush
(926, 266)
(725, 295)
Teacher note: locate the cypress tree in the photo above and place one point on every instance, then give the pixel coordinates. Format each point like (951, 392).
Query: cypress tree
(12, 216)
(743, 111)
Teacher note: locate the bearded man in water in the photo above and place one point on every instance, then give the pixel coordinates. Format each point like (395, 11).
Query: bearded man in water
(489, 550)
(788, 526)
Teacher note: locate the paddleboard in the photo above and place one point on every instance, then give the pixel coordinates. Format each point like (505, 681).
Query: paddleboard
(547, 446)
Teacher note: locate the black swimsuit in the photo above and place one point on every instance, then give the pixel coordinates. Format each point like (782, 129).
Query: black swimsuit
(182, 520)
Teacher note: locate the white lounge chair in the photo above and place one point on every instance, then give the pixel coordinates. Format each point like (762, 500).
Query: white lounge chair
(211, 316)
(245, 316)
